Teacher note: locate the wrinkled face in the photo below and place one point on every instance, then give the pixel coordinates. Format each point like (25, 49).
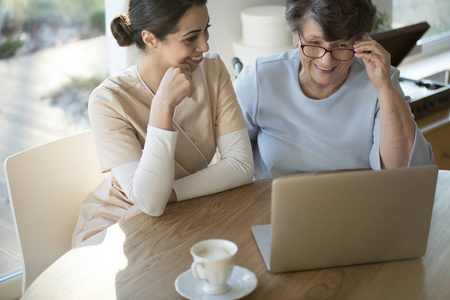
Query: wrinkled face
(325, 70)
(191, 40)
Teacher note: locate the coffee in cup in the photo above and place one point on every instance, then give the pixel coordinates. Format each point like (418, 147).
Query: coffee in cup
(213, 263)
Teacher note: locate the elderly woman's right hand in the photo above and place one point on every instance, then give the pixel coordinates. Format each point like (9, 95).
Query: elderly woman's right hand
(377, 61)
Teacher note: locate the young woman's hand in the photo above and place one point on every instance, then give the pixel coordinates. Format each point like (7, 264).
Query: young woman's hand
(175, 86)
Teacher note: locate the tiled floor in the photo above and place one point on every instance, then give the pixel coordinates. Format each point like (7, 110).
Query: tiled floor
(27, 120)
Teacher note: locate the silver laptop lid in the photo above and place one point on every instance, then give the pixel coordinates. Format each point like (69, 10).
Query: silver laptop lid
(337, 219)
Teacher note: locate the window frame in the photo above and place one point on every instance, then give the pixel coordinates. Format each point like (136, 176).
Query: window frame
(425, 47)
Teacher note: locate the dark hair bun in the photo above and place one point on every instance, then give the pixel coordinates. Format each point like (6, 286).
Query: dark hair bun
(121, 30)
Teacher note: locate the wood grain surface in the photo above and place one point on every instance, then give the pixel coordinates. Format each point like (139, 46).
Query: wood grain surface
(141, 257)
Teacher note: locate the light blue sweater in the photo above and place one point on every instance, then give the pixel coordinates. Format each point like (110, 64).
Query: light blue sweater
(291, 133)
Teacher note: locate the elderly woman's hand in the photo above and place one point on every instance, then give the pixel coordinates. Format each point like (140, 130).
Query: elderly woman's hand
(377, 61)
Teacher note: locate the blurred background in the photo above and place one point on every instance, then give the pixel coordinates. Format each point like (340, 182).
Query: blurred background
(28, 27)
(32, 25)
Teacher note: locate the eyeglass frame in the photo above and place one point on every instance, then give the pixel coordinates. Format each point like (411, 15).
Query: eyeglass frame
(326, 50)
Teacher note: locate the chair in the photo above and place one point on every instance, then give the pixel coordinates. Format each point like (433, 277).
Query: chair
(46, 187)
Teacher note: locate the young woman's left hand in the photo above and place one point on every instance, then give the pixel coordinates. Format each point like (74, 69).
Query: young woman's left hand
(377, 61)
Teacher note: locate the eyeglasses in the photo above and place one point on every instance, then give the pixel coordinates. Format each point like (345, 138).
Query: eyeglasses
(313, 51)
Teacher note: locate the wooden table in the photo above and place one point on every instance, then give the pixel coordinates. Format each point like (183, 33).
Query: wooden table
(141, 257)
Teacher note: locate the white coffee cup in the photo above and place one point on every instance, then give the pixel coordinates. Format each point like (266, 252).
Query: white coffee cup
(213, 263)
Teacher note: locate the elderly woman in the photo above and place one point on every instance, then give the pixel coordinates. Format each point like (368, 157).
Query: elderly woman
(333, 103)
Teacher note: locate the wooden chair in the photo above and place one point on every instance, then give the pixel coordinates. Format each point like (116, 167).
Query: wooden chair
(46, 187)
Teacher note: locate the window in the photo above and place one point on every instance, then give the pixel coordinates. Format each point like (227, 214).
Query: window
(435, 12)
(430, 58)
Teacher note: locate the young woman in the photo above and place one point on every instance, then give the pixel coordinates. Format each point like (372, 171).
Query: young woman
(157, 125)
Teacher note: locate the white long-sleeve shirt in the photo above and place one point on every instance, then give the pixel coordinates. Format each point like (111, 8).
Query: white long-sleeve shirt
(149, 182)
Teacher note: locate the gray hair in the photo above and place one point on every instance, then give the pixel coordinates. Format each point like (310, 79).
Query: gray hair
(339, 19)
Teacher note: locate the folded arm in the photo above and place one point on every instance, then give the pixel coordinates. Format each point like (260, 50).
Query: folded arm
(149, 183)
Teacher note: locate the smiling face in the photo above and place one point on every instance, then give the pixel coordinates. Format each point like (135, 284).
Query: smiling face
(190, 41)
(321, 77)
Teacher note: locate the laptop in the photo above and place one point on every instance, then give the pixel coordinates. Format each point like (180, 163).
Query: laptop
(347, 218)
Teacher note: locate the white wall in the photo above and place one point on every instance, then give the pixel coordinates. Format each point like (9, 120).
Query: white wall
(384, 6)
(119, 57)
(226, 28)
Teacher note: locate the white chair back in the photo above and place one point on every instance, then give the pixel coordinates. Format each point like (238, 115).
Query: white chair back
(47, 185)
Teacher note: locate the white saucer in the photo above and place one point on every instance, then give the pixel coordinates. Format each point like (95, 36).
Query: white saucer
(242, 282)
